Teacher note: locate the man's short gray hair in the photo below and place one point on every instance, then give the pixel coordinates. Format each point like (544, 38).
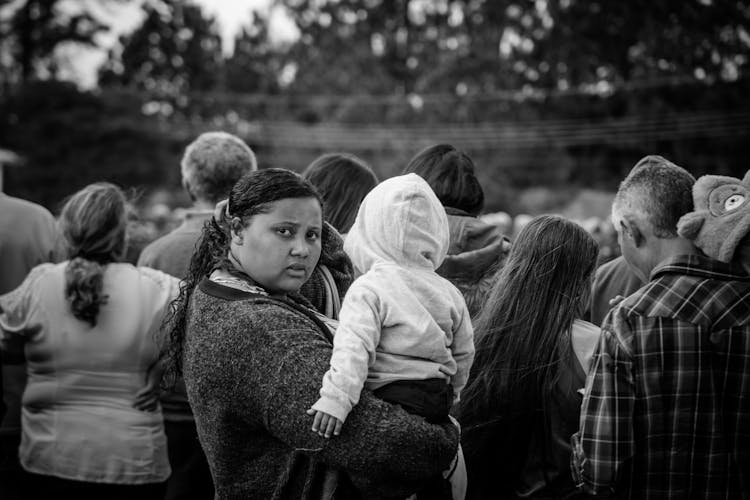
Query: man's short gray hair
(657, 191)
(213, 163)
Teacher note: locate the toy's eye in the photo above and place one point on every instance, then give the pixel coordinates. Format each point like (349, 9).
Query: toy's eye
(733, 202)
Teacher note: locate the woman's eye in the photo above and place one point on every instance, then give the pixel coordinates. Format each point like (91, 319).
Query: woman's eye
(733, 202)
(313, 236)
(284, 231)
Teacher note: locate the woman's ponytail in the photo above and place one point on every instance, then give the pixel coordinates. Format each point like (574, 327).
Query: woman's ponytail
(210, 252)
(83, 288)
(94, 224)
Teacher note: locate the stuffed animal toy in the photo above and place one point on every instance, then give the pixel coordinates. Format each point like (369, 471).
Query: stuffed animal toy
(721, 219)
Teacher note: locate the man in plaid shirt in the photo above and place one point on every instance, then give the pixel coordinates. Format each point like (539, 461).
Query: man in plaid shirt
(666, 409)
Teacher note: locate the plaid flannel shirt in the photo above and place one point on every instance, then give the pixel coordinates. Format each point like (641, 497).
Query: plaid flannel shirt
(666, 409)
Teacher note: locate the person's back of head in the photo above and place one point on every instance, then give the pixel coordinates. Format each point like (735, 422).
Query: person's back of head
(451, 174)
(342, 180)
(93, 222)
(559, 257)
(213, 163)
(647, 207)
(656, 191)
(523, 340)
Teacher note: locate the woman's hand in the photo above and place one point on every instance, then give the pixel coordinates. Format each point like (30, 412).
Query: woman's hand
(614, 302)
(325, 424)
(147, 398)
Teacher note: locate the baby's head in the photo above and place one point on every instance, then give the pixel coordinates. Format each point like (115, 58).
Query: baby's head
(400, 221)
(720, 222)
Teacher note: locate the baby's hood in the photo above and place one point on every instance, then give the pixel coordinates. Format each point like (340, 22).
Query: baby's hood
(399, 221)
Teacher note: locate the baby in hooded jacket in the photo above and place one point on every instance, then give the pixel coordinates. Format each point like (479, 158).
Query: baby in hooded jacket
(404, 331)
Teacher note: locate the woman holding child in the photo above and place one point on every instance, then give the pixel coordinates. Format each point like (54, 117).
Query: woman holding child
(254, 353)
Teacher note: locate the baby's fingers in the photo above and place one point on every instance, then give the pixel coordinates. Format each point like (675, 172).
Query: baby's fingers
(317, 421)
(331, 426)
(337, 429)
(323, 424)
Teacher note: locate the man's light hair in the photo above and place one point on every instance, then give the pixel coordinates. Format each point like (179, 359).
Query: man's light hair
(213, 163)
(656, 191)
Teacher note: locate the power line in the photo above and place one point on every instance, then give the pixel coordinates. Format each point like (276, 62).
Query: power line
(601, 89)
(497, 135)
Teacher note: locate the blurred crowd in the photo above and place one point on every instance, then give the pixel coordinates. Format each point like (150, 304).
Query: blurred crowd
(333, 335)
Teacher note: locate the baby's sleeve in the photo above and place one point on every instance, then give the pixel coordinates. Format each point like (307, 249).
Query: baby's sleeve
(462, 349)
(354, 345)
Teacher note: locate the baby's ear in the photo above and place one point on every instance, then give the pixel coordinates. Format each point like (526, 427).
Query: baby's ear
(690, 225)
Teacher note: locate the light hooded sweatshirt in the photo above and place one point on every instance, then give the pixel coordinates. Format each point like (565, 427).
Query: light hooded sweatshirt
(399, 320)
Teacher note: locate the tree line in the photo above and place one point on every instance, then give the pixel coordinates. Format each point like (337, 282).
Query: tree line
(535, 69)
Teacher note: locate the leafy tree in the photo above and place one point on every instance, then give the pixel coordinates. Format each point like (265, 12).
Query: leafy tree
(256, 64)
(31, 30)
(352, 46)
(483, 46)
(176, 50)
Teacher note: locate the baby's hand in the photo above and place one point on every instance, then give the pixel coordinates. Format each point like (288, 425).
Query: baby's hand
(325, 424)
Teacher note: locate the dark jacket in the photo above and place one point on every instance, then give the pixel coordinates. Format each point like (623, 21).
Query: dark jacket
(476, 253)
(253, 366)
(612, 279)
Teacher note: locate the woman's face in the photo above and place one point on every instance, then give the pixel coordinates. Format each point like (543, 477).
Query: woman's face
(280, 248)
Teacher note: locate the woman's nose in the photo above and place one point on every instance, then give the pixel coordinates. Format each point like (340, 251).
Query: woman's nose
(300, 248)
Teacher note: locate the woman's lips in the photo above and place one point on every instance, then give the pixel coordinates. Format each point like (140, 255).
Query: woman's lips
(297, 270)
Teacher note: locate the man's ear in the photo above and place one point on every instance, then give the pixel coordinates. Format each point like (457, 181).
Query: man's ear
(633, 231)
(188, 190)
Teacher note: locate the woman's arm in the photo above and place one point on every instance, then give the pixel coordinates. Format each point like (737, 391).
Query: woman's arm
(16, 316)
(383, 448)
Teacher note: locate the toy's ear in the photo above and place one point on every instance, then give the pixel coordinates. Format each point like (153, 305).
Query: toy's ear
(690, 225)
(746, 179)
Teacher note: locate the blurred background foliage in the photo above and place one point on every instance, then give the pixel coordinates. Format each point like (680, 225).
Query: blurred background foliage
(554, 99)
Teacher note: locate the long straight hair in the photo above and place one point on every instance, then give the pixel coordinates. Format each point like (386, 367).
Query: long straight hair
(522, 341)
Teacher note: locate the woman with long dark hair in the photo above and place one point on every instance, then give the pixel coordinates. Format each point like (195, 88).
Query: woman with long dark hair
(253, 352)
(343, 180)
(521, 404)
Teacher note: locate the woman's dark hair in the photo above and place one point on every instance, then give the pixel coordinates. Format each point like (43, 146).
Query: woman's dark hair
(253, 194)
(93, 222)
(343, 180)
(523, 338)
(450, 173)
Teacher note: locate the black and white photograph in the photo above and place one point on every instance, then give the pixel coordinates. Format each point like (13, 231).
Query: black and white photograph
(374, 249)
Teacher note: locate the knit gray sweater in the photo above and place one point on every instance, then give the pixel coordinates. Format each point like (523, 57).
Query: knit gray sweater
(253, 366)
